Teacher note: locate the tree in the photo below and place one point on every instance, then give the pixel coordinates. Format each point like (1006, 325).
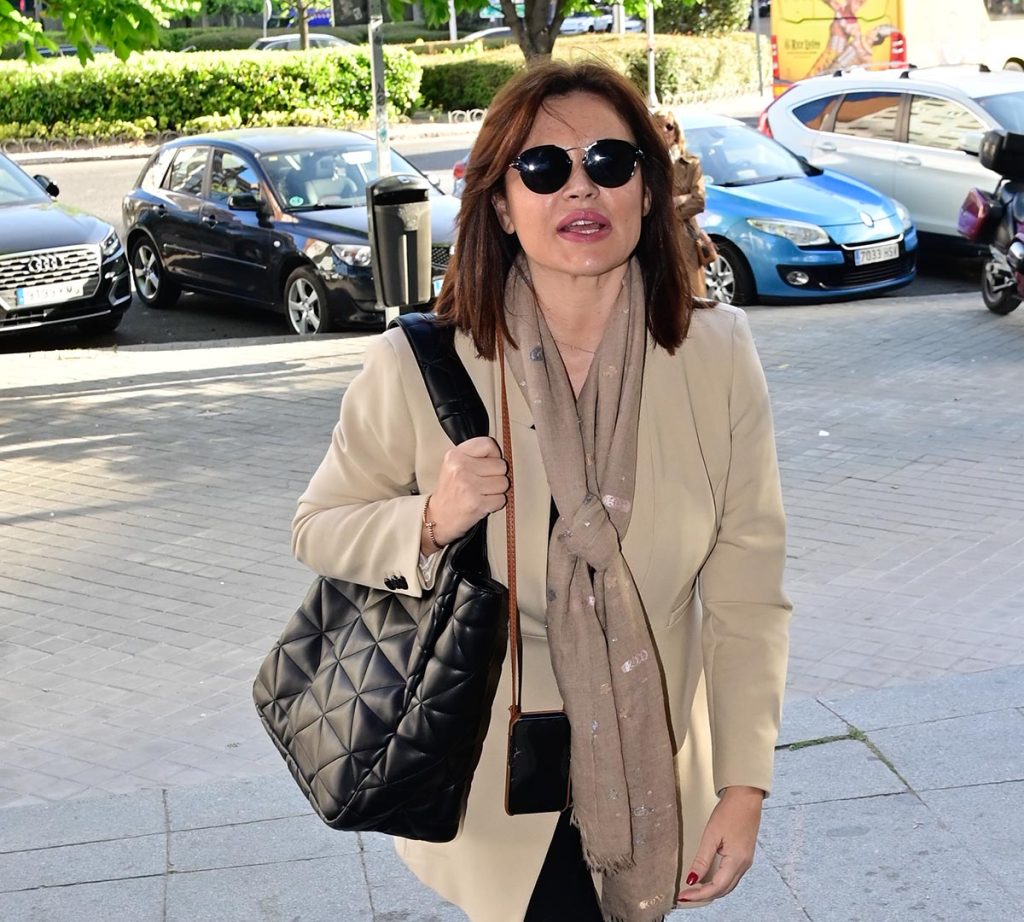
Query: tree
(538, 27)
(124, 25)
(702, 17)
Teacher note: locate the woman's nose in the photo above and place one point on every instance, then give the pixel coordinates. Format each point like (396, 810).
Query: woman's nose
(579, 184)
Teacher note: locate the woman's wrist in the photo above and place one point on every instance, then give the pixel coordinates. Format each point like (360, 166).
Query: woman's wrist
(431, 535)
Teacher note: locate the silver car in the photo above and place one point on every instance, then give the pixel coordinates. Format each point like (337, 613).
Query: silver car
(912, 134)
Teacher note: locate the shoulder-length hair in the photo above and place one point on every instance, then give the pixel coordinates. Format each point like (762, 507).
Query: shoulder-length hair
(472, 296)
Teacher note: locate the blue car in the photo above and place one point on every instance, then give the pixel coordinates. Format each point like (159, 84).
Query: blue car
(787, 231)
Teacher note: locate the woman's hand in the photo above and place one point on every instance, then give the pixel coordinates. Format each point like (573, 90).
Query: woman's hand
(472, 484)
(731, 833)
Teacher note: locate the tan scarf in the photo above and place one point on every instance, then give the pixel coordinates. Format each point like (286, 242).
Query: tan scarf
(602, 651)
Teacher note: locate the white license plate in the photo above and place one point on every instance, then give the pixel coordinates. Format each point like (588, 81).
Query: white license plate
(878, 254)
(48, 294)
(437, 286)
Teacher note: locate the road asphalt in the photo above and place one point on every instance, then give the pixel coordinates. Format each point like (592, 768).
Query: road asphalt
(461, 127)
(145, 498)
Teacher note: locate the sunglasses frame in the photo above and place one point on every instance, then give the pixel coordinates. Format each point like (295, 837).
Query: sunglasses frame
(586, 160)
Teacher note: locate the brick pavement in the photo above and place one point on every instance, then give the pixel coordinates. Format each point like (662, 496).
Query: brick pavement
(146, 494)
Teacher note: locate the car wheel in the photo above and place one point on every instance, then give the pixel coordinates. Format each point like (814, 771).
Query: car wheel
(105, 324)
(728, 278)
(997, 289)
(151, 282)
(305, 303)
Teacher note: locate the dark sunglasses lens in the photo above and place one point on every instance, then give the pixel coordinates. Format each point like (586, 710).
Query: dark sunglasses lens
(611, 163)
(544, 169)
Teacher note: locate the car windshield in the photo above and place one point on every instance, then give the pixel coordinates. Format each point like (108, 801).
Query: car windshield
(1007, 109)
(16, 187)
(327, 178)
(733, 155)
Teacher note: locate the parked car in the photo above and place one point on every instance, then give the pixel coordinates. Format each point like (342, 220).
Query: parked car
(577, 24)
(911, 133)
(58, 265)
(272, 216)
(492, 32)
(788, 231)
(291, 41)
(459, 176)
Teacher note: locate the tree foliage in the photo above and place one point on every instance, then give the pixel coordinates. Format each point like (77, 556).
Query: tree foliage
(702, 17)
(123, 25)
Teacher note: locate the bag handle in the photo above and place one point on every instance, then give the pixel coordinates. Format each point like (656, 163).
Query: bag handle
(515, 646)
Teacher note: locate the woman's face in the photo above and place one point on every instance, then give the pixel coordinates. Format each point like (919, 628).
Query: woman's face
(582, 229)
(667, 127)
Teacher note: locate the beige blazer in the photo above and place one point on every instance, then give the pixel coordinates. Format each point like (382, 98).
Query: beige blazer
(705, 545)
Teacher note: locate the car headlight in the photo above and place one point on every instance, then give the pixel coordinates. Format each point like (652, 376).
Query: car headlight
(352, 254)
(903, 214)
(111, 244)
(803, 235)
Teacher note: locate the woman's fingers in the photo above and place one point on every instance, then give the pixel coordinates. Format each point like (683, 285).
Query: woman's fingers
(726, 877)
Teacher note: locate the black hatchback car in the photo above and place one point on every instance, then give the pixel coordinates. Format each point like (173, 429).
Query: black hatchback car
(273, 216)
(58, 265)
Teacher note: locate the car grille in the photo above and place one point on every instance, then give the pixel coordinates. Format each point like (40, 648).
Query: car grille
(440, 257)
(45, 267)
(836, 278)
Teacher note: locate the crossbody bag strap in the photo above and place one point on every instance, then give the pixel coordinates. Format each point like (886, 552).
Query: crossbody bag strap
(514, 641)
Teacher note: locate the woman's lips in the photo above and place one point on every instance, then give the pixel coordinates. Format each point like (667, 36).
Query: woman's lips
(585, 225)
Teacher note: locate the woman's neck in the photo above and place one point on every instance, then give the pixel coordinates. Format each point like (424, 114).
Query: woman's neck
(576, 308)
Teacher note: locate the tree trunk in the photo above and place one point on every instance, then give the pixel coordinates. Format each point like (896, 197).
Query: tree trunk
(535, 36)
(300, 13)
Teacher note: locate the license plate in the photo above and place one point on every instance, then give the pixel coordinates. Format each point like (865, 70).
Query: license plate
(437, 285)
(878, 254)
(48, 294)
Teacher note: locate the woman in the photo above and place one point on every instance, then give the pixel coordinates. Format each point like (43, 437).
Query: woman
(649, 521)
(688, 196)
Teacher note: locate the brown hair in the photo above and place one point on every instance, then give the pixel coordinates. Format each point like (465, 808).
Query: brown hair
(472, 296)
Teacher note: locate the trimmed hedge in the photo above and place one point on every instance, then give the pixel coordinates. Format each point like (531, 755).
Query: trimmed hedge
(174, 90)
(686, 66)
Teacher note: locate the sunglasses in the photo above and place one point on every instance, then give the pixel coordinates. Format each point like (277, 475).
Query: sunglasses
(609, 163)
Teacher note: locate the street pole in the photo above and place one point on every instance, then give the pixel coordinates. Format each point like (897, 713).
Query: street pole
(453, 26)
(380, 99)
(652, 95)
(267, 11)
(756, 11)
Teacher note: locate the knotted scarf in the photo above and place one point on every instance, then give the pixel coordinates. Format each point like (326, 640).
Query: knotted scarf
(602, 651)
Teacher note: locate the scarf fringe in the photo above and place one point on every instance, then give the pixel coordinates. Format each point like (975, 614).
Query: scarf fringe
(660, 917)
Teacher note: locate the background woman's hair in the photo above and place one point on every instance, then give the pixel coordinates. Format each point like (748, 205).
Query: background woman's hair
(472, 296)
(667, 117)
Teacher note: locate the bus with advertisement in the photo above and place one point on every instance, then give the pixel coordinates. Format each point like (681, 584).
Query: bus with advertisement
(811, 37)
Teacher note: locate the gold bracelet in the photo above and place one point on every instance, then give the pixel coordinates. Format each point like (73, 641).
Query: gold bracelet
(430, 525)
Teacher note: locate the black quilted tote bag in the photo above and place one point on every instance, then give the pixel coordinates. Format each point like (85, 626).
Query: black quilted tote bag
(378, 702)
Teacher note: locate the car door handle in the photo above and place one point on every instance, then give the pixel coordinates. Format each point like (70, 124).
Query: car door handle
(828, 147)
(910, 161)
(209, 219)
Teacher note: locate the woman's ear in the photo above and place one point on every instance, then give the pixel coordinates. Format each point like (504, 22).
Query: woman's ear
(500, 204)
(647, 201)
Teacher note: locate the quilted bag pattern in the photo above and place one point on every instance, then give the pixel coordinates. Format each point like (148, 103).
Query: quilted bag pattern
(379, 702)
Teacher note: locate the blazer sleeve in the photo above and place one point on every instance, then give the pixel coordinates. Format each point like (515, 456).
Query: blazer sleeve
(746, 612)
(360, 517)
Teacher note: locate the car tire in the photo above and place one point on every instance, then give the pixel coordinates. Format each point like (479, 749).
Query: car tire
(999, 297)
(106, 324)
(305, 303)
(149, 276)
(729, 278)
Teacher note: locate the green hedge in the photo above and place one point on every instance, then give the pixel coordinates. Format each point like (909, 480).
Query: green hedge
(175, 89)
(686, 66)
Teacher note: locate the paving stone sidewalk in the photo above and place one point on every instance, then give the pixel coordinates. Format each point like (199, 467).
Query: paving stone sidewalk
(145, 501)
(900, 804)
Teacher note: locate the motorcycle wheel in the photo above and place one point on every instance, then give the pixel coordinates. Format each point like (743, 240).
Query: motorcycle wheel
(997, 290)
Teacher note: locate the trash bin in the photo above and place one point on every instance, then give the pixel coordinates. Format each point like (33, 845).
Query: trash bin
(398, 210)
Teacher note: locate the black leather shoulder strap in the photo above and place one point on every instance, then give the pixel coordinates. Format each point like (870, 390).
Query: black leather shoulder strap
(460, 411)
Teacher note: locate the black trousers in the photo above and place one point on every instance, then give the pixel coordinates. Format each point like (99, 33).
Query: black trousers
(565, 890)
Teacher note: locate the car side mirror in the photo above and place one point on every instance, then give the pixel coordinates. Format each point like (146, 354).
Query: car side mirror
(246, 201)
(49, 186)
(970, 143)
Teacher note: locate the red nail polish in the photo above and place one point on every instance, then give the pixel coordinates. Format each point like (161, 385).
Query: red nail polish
(691, 879)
